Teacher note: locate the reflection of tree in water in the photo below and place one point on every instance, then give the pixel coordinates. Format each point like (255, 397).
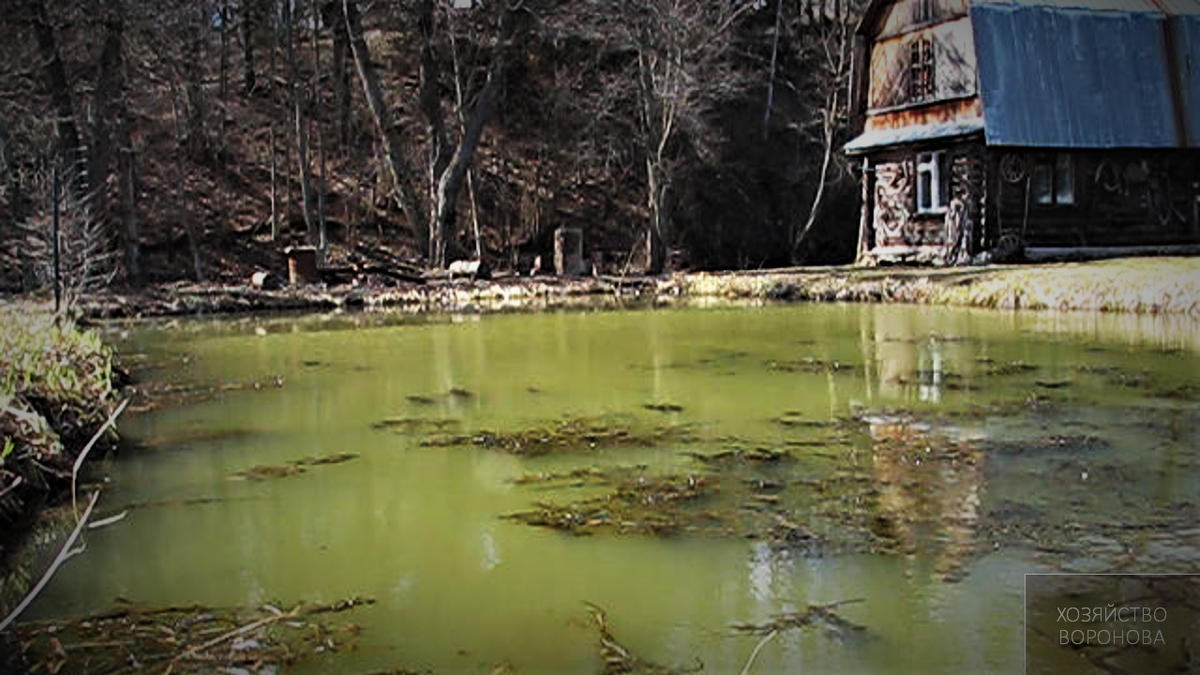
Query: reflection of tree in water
(930, 489)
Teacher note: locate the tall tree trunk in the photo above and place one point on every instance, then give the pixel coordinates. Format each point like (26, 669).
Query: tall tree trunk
(332, 13)
(128, 188)
(310, 218)
(181, 207)
(322, 233)
(70, 151)
(223, 13)
(195, 129)
(774, 62)
(12, 178)
(431, 108)
(393, 155)
(271, 123)
(451, 180)
(658, 121)
(832, 112)
(462, 125)
(108, 85)
(251, 19)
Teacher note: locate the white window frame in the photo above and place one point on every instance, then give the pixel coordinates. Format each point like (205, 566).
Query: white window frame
(931, 163)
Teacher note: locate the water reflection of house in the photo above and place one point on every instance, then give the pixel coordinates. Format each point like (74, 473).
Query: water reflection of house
(930, 490)
(1026, 125)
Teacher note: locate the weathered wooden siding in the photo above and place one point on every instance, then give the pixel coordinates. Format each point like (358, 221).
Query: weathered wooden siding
(932, 114)
(1122, 198)
(895, 222)
(954, 65)
(904, 15)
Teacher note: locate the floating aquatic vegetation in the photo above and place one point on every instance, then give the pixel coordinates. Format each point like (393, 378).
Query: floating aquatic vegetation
(821, 617)
(1165, 539)
(1139, 380)
(416, 424)
(155, 395)
(725, 457)
(664, 407)
(718, 359)
(1054, 443)
(574, 478)
(571, 435)
(1183, 392)
(1010, 368)
(619, 659)
(450, 394)
(812, 365)
(1093, 369)
(640, 504)
(293, 468)
(796, 419)
(946, 380)
(182, 640)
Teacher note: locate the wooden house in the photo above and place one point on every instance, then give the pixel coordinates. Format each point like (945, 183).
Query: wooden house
(989, 129)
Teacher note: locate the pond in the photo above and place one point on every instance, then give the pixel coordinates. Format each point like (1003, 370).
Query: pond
(491, 481)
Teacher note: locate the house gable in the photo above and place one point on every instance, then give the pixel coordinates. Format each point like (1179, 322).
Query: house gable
(917, 71)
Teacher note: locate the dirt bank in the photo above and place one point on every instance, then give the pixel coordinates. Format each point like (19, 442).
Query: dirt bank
(1136, 285)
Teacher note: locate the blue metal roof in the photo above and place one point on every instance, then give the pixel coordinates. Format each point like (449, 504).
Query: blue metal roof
(1186, 34)
(1081, 73)
(914, 134)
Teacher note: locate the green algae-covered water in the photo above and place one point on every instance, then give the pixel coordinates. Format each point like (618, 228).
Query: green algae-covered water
(915, 462)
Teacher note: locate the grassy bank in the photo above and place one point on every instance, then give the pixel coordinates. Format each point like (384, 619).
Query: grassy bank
(1136, 285)
(56, 390)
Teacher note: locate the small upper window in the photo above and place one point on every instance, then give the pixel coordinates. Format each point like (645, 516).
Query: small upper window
(933, 189)
(922, 11)
(1052, 180)
(920, 69)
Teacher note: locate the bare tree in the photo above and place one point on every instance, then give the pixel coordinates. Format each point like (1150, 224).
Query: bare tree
(451, 177)
(251, 21)
(70, 149)
(315, 92)
(683, 68)
(393, 154)
(311, 220)
(824, 44)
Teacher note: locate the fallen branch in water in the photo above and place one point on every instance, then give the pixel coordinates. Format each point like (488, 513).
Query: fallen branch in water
(254, 625)
(757, 647)
(821, 616)
(619, 659)
(64, 554)
(108, 521)
(88, 448)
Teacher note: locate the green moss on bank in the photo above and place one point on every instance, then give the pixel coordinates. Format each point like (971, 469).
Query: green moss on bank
(56, 389)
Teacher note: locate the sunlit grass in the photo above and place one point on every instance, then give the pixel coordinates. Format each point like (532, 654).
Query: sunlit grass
(1136, 285)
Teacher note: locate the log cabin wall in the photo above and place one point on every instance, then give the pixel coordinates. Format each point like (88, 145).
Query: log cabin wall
(900, 230)
(1094, 198)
